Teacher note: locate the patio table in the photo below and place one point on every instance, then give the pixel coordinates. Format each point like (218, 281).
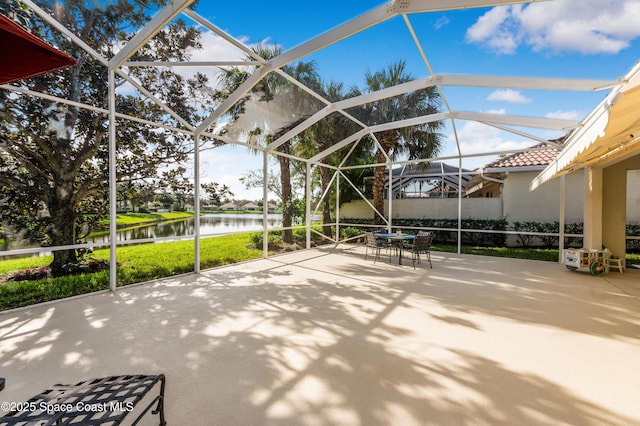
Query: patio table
(398, 240)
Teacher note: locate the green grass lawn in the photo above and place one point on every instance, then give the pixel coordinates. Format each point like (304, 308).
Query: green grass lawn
(136, 263)
(138, 218)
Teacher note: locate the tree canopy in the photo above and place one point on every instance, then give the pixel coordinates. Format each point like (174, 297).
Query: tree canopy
(53, 155)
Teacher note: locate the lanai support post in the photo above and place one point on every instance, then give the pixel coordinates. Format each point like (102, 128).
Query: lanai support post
(593, 208)
(390, 196)
(113, 198)
(459, 205)
(308, 204)
(265, 204)
(562, 219)
(196, 205)
(338, 172)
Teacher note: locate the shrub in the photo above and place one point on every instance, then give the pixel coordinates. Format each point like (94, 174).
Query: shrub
(274, 240)
(550, 241)
(573, 228)
(526, 240)
(633, 230)
(350, 232)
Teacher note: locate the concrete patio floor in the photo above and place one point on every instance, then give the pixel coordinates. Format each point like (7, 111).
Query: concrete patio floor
(323, 337)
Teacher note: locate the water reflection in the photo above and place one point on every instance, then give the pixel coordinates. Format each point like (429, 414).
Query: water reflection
(214, 223)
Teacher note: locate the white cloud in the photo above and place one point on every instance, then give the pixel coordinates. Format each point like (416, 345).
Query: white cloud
(497, 29)
(589, 27)
(214, 49)
(227, 164)
(441, 22)
(477, 138)
(508, 95)
(566, 115)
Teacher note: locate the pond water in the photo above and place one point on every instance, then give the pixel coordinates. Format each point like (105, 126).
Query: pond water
(212, 223)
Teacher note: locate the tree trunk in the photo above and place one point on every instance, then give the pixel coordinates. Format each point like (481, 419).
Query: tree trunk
(326, 204)
(287, 214)
(378, 188)
(61, 231)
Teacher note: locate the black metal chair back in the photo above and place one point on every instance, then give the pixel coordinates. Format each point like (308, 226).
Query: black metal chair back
(375, 244)
(421, 245)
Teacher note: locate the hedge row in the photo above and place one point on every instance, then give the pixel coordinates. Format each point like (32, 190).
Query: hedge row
(524, 240)
(444, 236)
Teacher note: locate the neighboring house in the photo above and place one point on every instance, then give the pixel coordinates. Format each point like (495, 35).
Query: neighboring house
(432, 180)
(508, 178)
(229, 206)
(272, 207)
(498, 189)
(251, 206)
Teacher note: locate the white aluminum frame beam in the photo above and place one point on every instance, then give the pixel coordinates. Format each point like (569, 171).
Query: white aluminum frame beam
(192, 64)
(543, 123)
(531, 83)
(417, 6)
(349, 28)
(64, 30)
(231, 40)
(162, 18)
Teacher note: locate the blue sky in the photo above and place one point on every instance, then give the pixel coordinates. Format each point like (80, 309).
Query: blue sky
(598, 39)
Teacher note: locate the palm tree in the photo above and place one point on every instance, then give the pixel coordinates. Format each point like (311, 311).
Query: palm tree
(421, 141)
(322, 136)
(292, 102)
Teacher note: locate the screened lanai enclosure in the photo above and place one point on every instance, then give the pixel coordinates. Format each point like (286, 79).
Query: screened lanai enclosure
(176, 83)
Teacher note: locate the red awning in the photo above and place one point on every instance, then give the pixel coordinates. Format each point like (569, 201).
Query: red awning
(25, 55)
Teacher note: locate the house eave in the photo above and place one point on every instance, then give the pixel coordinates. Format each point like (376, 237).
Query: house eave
(515, 169)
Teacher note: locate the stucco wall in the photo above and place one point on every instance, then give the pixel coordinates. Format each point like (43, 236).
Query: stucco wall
(633, 196)
(615, 196)
(433, 208)
(517, 203)
(543, 204)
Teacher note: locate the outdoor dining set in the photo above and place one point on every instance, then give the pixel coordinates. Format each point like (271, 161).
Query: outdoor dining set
(398, 243)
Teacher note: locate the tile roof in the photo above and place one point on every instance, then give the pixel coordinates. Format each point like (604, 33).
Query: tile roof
(538, 155)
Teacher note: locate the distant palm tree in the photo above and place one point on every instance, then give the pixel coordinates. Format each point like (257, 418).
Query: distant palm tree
(322, 136)
(422, 141)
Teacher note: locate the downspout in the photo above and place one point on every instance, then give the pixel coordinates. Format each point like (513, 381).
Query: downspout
(490, 179)
(496, 180)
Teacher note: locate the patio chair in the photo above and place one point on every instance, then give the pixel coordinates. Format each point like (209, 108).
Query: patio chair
(375, 244)
(91, 402)
(421, 245)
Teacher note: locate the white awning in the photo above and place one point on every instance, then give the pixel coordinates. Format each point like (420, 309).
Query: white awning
(608, 134)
